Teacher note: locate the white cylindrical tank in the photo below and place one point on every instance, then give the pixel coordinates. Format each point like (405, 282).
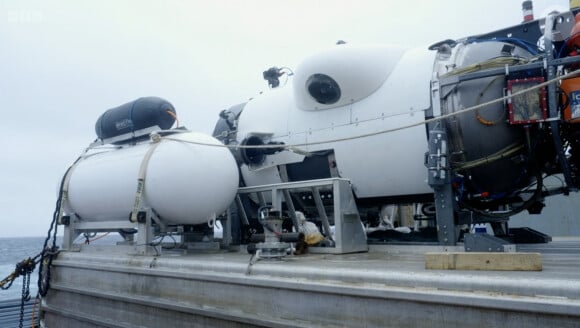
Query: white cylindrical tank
(185, 182)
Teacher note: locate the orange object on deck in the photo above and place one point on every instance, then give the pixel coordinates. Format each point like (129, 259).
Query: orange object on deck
(572, 89)
(574, 42)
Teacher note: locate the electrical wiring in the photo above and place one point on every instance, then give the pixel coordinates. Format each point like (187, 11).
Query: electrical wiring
(161, 238)
(478, 116)
(486, 64)
(506, 214)
(530, 47)
(503, 153)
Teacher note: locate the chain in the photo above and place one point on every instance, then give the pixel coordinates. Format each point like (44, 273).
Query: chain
(22, 302)
(25, 295)
(24, 268)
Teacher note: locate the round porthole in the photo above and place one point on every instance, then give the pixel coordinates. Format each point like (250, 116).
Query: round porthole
(323, 89)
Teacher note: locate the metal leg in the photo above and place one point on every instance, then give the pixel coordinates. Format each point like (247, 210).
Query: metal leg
(445, 215)
(145, 236)
(321, 212)
(439, 179)
(243, 216)
(291, 208)
(70, 233)
(227, 229)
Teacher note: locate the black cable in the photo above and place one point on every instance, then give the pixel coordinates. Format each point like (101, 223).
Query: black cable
(49, 253)
(566, 103)
(537, 195)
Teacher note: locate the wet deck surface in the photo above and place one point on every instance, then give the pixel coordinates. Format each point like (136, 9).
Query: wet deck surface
(389, 282)
(392, 265)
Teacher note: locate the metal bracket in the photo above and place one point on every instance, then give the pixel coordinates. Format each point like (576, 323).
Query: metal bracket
(435, 97)
(439, 179)
(482, 242)
(76, 227)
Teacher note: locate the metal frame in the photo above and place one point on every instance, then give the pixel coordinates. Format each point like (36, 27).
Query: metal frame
(142, 246)
(440, 89)
(349, 235)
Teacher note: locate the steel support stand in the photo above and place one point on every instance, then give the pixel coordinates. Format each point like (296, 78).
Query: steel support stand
(439, 179)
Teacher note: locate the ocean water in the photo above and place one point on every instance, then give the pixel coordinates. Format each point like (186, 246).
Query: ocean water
(12, 251)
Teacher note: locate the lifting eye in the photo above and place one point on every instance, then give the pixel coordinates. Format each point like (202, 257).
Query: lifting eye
(323, 89)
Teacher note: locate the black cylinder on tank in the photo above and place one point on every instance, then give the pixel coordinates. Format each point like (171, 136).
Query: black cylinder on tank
(136, 115)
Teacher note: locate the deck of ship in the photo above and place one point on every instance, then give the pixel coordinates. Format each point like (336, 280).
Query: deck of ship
(388, 286)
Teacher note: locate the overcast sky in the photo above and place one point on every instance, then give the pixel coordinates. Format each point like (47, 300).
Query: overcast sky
(62, 63)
